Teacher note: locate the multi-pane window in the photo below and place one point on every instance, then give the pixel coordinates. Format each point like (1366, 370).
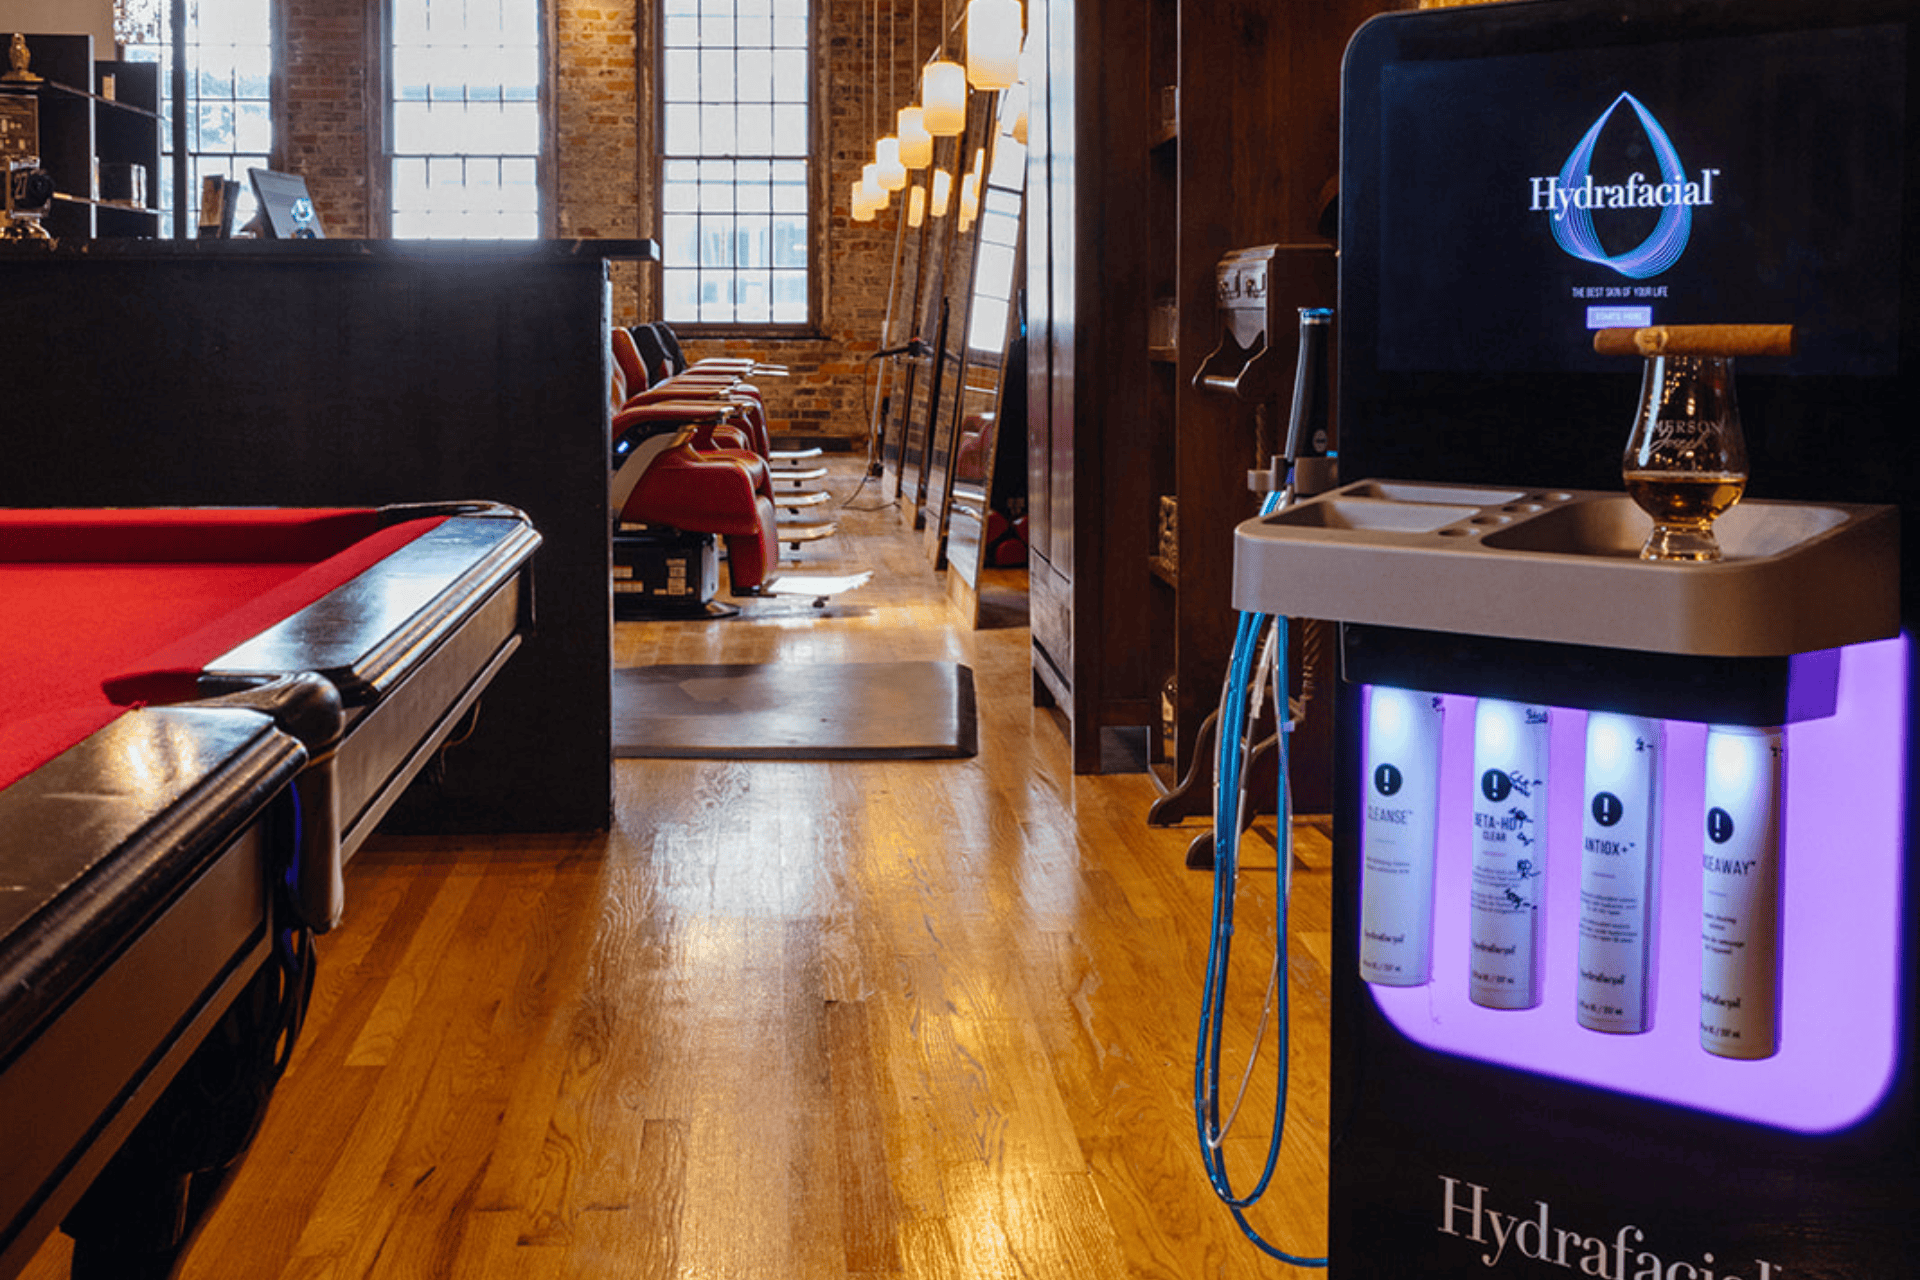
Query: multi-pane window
(735, 146)
(464, 119)
(229, 110)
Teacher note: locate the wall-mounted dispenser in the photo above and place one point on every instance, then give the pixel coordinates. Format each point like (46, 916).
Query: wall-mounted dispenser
(1241, 365)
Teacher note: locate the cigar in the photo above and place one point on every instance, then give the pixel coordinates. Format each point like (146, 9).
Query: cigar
(1697, 340)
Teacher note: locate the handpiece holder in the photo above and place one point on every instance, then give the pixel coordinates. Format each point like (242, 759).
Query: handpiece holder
(1305, 467)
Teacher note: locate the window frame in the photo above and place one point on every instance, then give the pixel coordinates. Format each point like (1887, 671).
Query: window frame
(277, 120)
(381, 123)
(817, 162)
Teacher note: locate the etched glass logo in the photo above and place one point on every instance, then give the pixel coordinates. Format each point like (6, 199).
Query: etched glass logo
(1572, 195)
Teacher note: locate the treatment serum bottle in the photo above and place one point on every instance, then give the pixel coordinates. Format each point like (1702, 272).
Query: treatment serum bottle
(1397, 836)
(1619, 836)
(1509, 853)
(1740, 892)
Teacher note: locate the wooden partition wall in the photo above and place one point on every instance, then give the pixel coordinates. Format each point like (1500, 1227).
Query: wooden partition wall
(1157, 146)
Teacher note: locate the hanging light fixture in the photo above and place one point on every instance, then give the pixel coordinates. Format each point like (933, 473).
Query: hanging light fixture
(943, 97)
(861, 206)
(916, 144)
(993, 43)
(877, 194)
(916, 205)
(942, 192)
(888, 170)
(970, 190)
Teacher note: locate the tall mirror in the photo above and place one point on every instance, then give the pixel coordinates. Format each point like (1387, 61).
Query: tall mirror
(991, 391)
(947, 260)
(917, 278)
(956, 303)
(891, 371)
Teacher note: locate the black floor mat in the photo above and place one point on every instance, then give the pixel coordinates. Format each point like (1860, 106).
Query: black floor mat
(795, 711)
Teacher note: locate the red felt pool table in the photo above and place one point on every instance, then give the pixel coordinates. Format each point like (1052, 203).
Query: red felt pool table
(203, 713)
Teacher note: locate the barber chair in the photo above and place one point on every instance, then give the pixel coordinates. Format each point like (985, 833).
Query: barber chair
(658, 337)
(639, 378)
(672, 490)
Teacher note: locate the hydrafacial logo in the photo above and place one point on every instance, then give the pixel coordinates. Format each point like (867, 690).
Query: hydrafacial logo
(1535, 1235)
(1571, 196)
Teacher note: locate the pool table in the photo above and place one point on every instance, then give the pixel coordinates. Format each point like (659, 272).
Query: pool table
(203, 713)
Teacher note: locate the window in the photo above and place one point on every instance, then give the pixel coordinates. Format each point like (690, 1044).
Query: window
(464, 119)
(735, 148)
(229, 109)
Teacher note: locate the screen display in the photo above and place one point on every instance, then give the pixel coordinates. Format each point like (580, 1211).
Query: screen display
(1526, 200)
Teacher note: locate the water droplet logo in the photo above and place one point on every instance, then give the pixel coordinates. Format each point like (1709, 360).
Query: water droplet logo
(1571, 196)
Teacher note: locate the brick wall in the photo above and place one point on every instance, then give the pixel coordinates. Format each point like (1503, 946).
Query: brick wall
(600, 172)
(328, 90)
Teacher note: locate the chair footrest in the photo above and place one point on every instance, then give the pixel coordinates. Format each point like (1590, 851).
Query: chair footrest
(795, 534)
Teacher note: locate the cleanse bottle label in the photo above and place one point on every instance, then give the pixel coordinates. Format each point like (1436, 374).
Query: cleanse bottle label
(1619, 835)
(1740, 892)
(1402, 757)
(1509, 853)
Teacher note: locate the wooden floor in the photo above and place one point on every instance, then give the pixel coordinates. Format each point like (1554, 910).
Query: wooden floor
(790, 1020)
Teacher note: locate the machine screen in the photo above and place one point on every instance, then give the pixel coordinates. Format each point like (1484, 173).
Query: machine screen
(1525, 200)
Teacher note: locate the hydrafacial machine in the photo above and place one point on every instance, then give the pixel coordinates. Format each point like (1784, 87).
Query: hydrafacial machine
(1624, 917)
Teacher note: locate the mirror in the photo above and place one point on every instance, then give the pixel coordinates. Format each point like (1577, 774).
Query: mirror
(891, 373)
(944, 253)
(991, 389)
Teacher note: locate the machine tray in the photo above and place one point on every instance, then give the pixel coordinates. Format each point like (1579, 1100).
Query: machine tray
(1562, 565)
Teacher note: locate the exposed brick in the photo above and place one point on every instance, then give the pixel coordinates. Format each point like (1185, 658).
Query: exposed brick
(603, 100)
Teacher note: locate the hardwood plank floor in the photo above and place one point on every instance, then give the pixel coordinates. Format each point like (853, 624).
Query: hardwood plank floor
(787, 1021)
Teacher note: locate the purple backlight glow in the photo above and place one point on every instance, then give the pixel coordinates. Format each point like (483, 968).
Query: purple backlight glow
(1841, 867)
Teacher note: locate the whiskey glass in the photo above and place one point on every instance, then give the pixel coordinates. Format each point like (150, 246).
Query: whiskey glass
(1686, 461)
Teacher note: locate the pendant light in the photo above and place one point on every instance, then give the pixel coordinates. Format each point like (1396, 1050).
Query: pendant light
(877, 194)
(942, 192)
(888, 169)
(861, 206)
(916, 144)
(993, 43)
(970, 190)
(916, 205)
(943, 89)
(943, 97)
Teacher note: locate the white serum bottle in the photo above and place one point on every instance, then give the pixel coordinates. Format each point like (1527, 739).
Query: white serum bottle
(1740, 905)
(1509, 853)
(1619, 869)
(1397, 831)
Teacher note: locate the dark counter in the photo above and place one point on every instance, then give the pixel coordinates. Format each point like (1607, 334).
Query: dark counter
(343, 372)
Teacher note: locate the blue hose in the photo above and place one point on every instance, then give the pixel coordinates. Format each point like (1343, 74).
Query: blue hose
(1235, 725)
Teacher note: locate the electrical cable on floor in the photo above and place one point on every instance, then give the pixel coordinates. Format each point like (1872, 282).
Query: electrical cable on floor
(873, 435)
(1259, 643)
